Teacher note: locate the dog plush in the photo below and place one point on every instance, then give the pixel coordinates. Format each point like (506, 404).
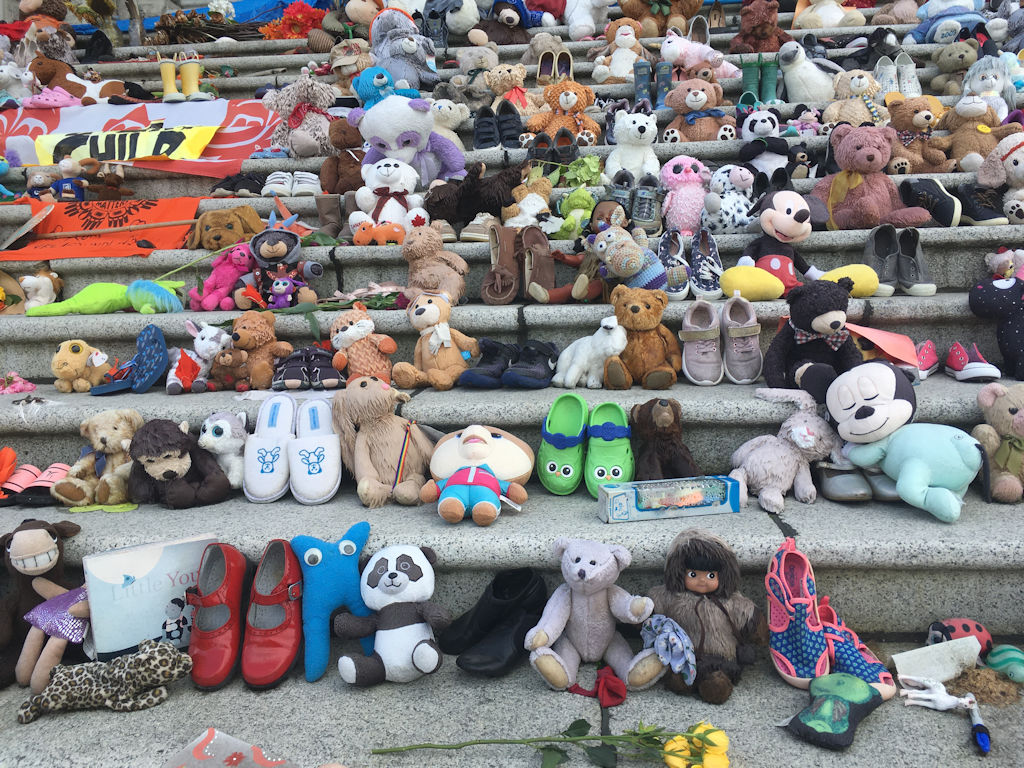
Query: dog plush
(397, 583)
(58, 74)
(578, 623)
(169, 467)
(41, 288)
(376, 442)
(224, 226)
(190, 368)
(582, 362)
(728, 201)
(254, 333)
(635, 134)
(125, 684)
(101, 472)
(657, 439)
(223, 434)
(78, 366)
(432, 269)
(1004, 167)
(360, 351)
(441, 352)
(699, 114)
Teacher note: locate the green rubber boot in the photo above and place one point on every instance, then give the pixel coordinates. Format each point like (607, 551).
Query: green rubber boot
(751, 80)
(769, 81)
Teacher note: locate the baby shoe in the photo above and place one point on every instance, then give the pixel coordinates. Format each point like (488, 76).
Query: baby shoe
(906, 76)
(741, 348)
(270, 153)
(495, 358)
(609, 454)
(882, 252)
(320, 373)
(486, 133)
(969, 366)
(848, 653)
(291, 373)
(560, 456)
(273, 622)
(702, 350)
(535, 366)
(621, 189)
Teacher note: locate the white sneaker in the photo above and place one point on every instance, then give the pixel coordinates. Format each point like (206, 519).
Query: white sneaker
(906, 76)
(306, 183)
(278, 183)
(886, 75)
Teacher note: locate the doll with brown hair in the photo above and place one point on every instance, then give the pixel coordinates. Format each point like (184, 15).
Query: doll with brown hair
(700, 593)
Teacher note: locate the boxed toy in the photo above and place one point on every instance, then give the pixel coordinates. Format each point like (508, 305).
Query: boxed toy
(662, 499)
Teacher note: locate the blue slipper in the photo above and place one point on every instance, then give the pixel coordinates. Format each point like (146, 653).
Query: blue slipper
(145, 369)
(271, 153)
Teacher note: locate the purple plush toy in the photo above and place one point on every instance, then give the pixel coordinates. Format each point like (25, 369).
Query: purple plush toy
(282, 292)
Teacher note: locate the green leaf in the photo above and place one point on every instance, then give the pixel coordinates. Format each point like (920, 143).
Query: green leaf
(536, 171)
(551, 757)
(555, 176)
(603, 755)
(578, 728)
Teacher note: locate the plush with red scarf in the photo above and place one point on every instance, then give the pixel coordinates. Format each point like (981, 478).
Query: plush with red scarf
(387, 196)
(508, 81)
(567, 100)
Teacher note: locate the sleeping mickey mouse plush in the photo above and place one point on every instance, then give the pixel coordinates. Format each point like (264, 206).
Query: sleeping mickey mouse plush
(170, 467)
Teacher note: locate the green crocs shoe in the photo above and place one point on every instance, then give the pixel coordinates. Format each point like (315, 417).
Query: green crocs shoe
(560, 458)
(609, 456)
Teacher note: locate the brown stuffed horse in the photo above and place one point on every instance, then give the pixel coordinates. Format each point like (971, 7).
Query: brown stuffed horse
(52, 74)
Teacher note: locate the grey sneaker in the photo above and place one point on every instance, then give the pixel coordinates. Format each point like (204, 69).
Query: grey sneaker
(911, 269)
(741, 348)
(647, 199)
(882, 252)
(702, 351)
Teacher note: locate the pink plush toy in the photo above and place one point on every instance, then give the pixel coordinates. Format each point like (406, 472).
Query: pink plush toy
(227, 268)
(684, 53)
(684, 177)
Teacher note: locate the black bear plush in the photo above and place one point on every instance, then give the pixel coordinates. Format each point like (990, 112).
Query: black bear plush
(169, 467)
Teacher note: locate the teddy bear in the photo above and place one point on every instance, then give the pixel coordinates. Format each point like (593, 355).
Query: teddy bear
(652, 354)
(1004, 168)
(230, 370)
(340, 171)
(635, 135)
(1002, 437)
(169, 467)
(433, 269)
(472, 468)
(655, 20)
(530, 206)
(814, 346)
(216, 229)
(225, 271)
(914, 120)
(441, 352)
(77, 366)
(347, 59)
(630, 259)
(1000, 300)
(759, 29)
(899, 12)
(387, 454)
(855, 91)
(100, 474)
(578, 623)
(861, 196)
(657, 439)
(728, 201)
(953, 61)
(359, 349)
(508, 81)
(684, 177)
(448, 116)
(307, 136)
(699, 116)
(403, 129)
(468, 86)
(508, 22)
(613, 63)
(387, 195)
(683, 54)
(373, 84)
(567, 100)
(398, 47)
(254, 332)
(828, 13)
(972, 131)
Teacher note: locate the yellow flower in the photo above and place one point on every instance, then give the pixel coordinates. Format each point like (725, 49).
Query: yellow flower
(713, 760)
(681, 749)
(712, 740)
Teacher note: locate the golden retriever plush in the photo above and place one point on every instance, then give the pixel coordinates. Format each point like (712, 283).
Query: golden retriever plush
(101, 474)
(226, 226)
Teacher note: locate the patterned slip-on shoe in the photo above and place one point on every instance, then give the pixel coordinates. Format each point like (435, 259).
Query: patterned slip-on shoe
(848, 653)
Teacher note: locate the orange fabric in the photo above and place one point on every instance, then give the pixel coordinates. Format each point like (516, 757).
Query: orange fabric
(894, 346)
(101, 214)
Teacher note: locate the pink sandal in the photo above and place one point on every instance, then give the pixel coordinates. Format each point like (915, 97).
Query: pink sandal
(849, 654)
(19, 480)
(51, 98)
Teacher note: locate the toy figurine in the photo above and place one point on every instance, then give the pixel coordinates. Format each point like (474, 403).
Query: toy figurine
(700, 594)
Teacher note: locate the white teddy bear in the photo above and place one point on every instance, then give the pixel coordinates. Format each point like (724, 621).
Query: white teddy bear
(828, 13)
(585, 17)
(1005, 166)
(583, 360)
(635, 133)
(448, 116)
(387, 196)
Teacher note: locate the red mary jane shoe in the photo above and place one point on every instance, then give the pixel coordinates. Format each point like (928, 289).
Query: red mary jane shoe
(225, 575)
(273, 626)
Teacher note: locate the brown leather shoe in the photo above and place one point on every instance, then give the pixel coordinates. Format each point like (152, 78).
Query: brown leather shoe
(538, 264)
(501, 284)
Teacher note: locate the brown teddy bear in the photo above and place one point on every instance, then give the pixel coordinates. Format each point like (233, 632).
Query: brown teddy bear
(306, 134)
(230, 370)
(431, 268)
(654, 24)
(78, 366)
(613, 63)
(657, 439)
(855, 104)
(567, 100)
(359, 349)
(912, 150)
(974, 130)
(703, 98)
(759, 29)
(375, 441)
(438, 360)
(1001, 436)
(254, 332)
(953, 60)
(652, 354)
(899, 12)
(225, 226)
(101, 473)
(508, 81)
(340, 173)
(861, 196)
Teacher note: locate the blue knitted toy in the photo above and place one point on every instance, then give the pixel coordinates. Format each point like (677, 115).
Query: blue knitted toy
(628, 258)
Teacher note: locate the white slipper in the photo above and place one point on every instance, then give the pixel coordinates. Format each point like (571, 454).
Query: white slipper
(265, 475)
(314, 456)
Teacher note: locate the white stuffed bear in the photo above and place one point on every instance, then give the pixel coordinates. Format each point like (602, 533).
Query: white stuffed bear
(622, 52)
(1005, 166)
(828, 13)
(397, 583)
(728, 201)
(578, 623)
(585, 17)
(448, 116)
(223, 434)
(635, 133)
(583, 360)
(387, 196)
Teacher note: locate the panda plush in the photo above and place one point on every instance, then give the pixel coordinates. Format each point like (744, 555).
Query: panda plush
(764, 151)
(397, 583)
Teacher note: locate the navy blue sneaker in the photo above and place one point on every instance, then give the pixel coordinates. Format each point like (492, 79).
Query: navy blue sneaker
(535, 367)
(495, 358)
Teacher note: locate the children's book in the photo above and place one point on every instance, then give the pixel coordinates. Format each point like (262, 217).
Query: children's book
(138, 593)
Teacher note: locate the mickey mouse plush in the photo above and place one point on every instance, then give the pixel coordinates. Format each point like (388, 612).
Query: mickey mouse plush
(786, 217)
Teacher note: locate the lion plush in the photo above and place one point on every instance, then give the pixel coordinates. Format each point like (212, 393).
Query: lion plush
(226, 226)
(169, 467)
(101, 473)
(855, 91)
(78, 366)
(438, 359)
(567, 100)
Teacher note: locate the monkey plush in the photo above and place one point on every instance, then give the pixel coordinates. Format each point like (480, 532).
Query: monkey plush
(169, 467)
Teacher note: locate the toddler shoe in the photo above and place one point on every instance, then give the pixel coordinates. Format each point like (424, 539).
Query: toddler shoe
(912, 273)
(799, 647)
(706, 265)
(647, 199)
(672, 253)
(609, 454)
(273, 623)
(847, 653)
(314, 456)
(969, 366)
(927, 359)
(320, 372)
(741, 347)
(265, 474)
(291, 373)
(535, 366)
(279, 183)
(702, 351)
(305, 183)
(495, 358)
(560, 456)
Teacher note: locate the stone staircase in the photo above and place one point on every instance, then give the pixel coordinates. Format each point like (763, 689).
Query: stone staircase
(890, 569)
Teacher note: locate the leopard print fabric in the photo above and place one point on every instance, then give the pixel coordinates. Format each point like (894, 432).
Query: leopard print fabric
(125, 684)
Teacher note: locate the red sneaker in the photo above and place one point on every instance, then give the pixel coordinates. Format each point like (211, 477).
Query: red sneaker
(969, 366)
(273, 625)
(927, 359)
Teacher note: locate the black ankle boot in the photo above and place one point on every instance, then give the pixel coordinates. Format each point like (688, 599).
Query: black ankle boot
(510, 591)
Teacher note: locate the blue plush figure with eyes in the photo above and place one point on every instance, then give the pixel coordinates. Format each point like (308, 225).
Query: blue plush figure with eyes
(330, 580)
(5, 193)
(373, 84)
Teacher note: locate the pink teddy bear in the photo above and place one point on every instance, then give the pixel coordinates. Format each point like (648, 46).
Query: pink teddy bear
(684, 177)
(225, 272)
